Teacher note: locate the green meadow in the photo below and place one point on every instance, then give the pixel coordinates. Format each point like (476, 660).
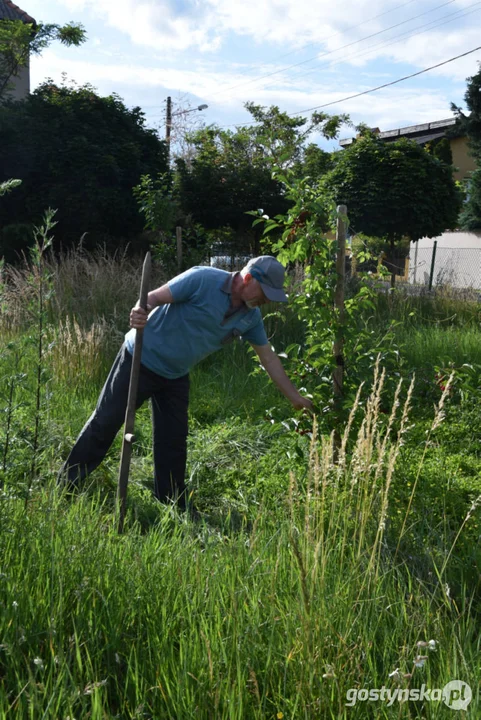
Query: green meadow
(302, 583)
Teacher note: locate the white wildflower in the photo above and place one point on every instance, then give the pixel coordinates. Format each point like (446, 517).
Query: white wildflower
(420, 660)
(38, 662)
(395, 675)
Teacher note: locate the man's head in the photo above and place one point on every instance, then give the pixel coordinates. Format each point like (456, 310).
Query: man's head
(263, 281)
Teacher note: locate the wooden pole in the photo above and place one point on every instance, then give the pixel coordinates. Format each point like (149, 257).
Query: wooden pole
(339, 312)
(168, 125)
(433, 263)
(178, 234)
(129, 436)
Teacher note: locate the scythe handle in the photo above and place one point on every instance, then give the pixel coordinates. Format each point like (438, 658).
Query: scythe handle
(131, 401)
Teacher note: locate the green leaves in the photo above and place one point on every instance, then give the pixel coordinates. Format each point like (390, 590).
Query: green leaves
(8, 185)
(307, 242)
(19, 40)
(83, 154)
(394, 190)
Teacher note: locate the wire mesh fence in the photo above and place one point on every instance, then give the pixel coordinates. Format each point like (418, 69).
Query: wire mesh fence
(458, 267)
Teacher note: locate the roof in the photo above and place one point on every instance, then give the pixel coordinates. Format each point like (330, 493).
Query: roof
(10, 11)
(421, 139)
(419, 133)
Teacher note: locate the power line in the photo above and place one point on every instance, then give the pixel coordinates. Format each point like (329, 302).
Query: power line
(371, 90)
(325, 39)
(341, 32)
(317, 57)
(394, 82)
(420, 29)
(393, 41)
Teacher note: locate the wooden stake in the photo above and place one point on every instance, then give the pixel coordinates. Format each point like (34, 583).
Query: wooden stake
(338, 373)
(178, 234)
(131, 402)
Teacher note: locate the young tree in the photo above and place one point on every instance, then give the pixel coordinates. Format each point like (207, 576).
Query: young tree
(80, 153)
(394, 190)
(470, 218)
(19, 40)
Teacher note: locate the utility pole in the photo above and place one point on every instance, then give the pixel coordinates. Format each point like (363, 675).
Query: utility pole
(168, 122)
(168, 119)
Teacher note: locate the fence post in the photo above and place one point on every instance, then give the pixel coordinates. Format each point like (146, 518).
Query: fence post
(178, 233)
(433, 261)
(338, 372)
(415, 261)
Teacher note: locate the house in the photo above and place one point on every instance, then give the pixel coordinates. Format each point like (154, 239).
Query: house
(20, 81)
(432, 132)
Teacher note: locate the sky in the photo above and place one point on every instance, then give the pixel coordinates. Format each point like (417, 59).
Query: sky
(296, 54)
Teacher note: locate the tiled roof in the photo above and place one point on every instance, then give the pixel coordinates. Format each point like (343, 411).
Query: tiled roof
(9, 11)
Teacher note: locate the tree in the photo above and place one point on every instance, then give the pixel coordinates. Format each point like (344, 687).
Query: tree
(231, 172)
(20, 40)
(315, 163)
(440, 149)
(394, 190)
(80, 153)
(470, 125)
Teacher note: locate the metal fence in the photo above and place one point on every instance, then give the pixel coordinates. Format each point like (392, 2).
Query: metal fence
(445, 266)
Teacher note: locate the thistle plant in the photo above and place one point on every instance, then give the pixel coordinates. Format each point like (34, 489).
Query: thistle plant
(40, 281)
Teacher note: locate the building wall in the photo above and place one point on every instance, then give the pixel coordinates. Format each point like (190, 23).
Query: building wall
(461, 158)
(21, 84)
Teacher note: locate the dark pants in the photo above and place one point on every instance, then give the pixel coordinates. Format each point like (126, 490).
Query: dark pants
(170, 400)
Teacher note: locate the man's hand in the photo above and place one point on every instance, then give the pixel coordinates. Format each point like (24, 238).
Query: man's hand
(161, 296)
(303, 403)
(274, 368)
(138, 317)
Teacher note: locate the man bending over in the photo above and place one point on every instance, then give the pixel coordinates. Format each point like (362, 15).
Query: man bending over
(192, 316)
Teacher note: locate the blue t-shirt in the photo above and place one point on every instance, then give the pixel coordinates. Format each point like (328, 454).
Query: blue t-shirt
(180, 334)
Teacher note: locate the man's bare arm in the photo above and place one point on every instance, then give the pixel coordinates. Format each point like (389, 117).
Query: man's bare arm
(161, 296)
(276, 372)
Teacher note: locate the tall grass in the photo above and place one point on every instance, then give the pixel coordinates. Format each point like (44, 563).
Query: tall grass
(279, 618)
(435, 345)
(336, 579)
(443, 308)
(87, 287)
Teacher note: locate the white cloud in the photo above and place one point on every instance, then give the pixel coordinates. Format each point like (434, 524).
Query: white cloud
(282, 26)
(427, 51)
(176, 24)
(386, 109)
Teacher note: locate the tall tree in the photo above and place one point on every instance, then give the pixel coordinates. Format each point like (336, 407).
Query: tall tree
(19, 40)
(394, 190)
(80, 153)
(470, 217)
(231, 172)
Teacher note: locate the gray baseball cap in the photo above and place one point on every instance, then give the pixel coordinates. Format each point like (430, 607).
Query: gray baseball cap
(269, 273)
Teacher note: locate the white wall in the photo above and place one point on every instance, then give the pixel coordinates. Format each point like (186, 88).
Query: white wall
(457, 261)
